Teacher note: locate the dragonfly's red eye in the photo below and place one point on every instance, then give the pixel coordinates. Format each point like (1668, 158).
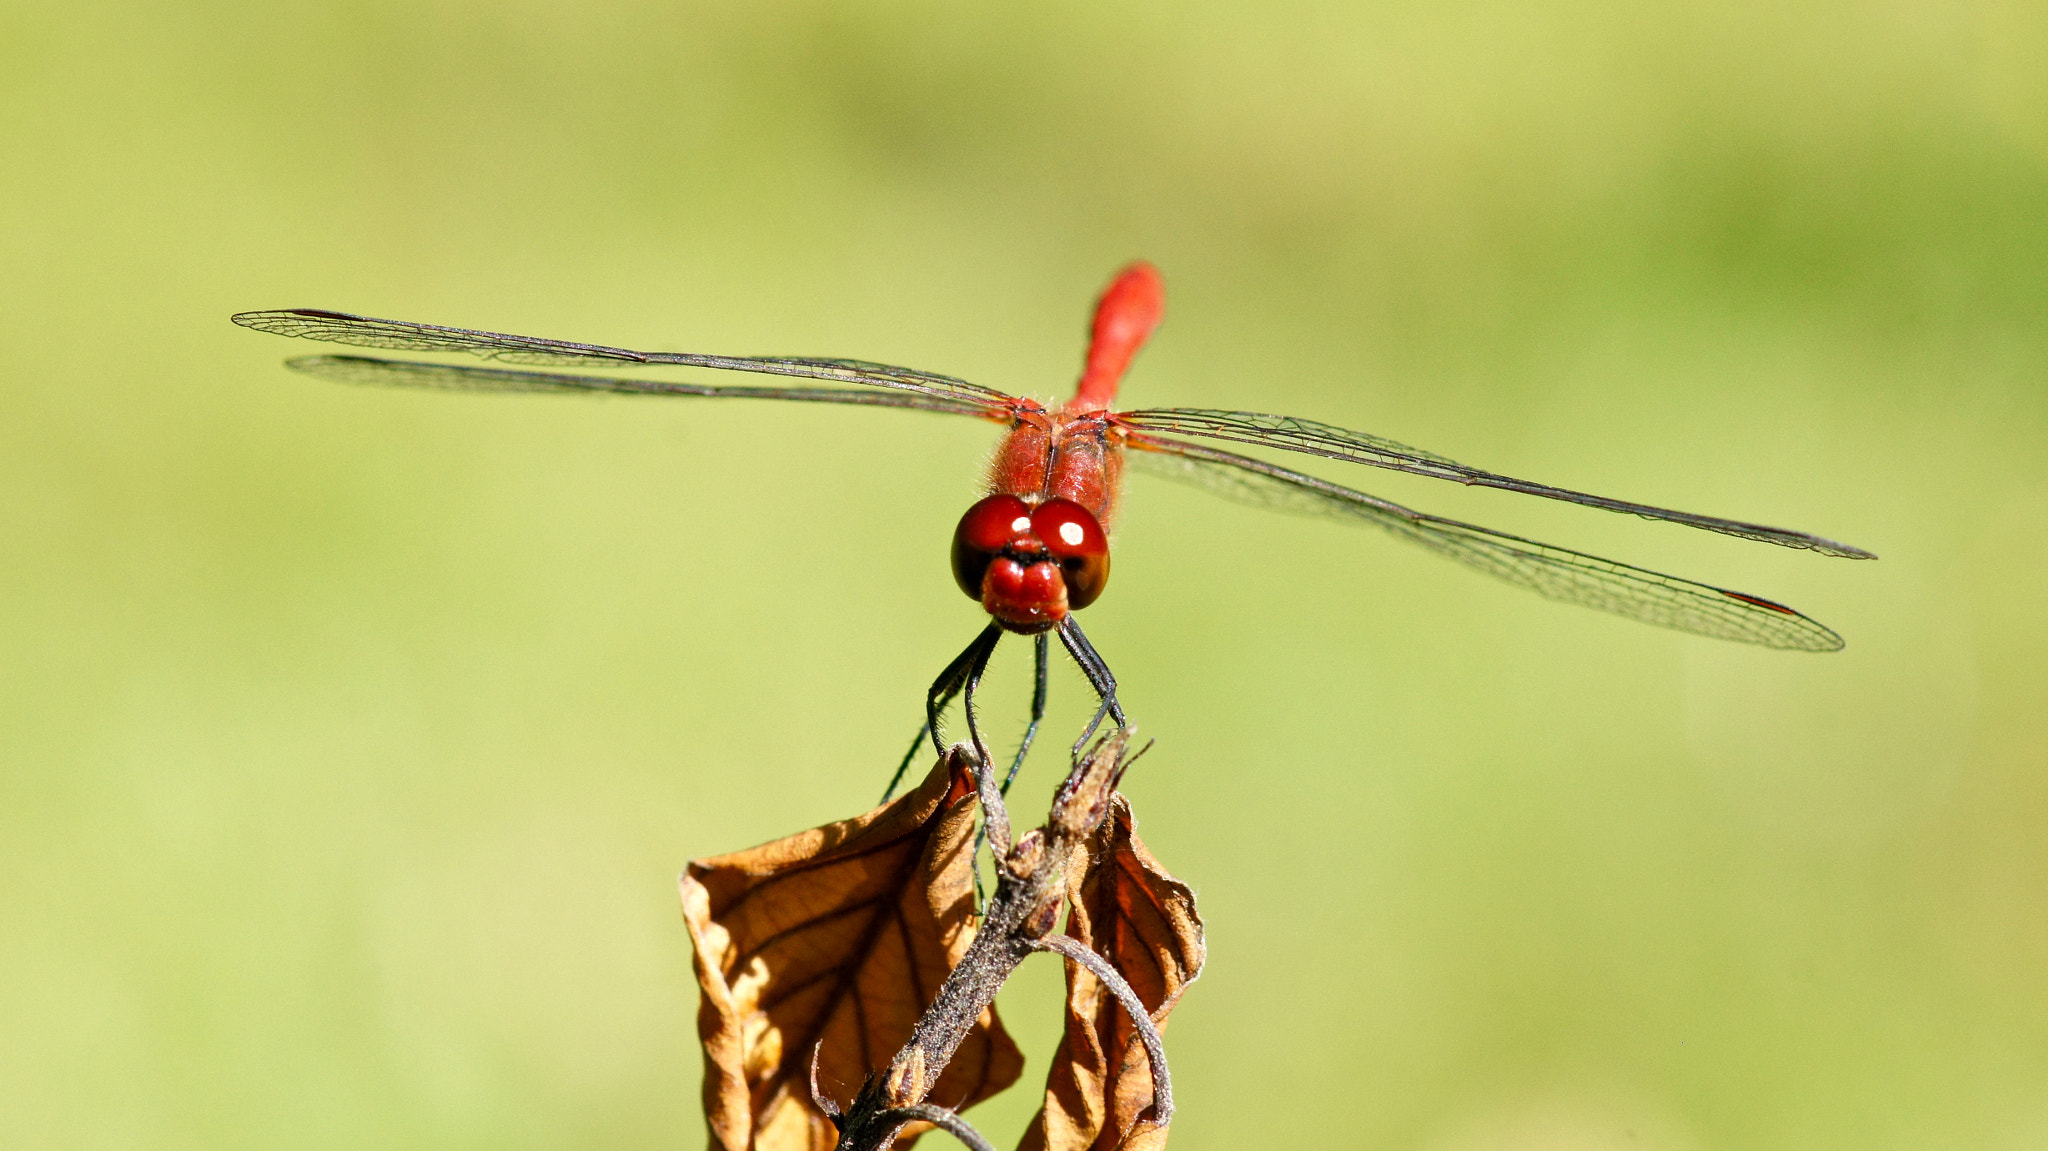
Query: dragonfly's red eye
(1076, 541)
(987, 526)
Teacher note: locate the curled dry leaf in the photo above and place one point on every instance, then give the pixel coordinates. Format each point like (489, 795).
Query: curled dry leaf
(1131, 912)
(841, 934)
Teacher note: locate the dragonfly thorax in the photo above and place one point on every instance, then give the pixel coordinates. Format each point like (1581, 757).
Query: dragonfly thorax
(1056, 456)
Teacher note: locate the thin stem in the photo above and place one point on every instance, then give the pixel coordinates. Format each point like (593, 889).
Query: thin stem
(940, 1117)
(1148, 1034)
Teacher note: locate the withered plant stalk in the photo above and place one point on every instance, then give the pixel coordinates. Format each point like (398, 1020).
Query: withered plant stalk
(1018, 920)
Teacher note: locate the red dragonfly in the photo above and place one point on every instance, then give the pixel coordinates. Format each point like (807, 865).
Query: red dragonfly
(1036, 549)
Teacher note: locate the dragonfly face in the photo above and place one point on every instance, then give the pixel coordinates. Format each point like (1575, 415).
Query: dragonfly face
(1030, 566)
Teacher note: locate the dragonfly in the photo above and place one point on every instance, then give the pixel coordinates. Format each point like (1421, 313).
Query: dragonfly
(1035, 548)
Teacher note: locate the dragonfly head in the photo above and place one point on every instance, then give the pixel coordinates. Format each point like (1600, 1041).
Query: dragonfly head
(1029, 566)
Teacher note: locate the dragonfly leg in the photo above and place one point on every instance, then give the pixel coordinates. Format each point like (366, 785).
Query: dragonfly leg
(1099, 678)
(1039, 647)
(995, 822)
(984, 646)
(943, 690)
(916, 741)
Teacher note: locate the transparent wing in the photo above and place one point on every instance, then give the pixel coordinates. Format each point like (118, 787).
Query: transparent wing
(1555, 573)
(368, 332)
(462, 378)
(1293, 434)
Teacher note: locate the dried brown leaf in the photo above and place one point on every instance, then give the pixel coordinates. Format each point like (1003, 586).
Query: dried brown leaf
(1126, 908)
(841, 934)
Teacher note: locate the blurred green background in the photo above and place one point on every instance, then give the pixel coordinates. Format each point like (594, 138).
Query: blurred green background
(352, 739)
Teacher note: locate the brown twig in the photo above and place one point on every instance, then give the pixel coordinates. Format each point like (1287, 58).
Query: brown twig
(1030, 890)
(939, 1117)
(1155, 1047)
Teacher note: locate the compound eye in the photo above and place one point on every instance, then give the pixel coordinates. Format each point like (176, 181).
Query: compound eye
(987, 526)
(1074, 539)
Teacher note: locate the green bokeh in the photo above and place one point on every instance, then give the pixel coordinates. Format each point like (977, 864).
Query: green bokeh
(350, 740)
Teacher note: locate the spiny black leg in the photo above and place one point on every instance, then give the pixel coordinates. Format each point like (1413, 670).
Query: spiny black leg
(1094, 725)
(916, 741)
(955, 677)
(982, 652)
(943, 690)
(983, 766)
(1039, 646)
(1099, 678)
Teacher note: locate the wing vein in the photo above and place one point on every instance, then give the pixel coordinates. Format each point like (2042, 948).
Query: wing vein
(369, 370)
(1553, 572)
(368, 331)
(1293, 434)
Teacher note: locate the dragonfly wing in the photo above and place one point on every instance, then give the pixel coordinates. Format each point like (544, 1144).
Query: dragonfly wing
(463, 378)
(1556, 573)
(1293, 434)
(370, 332)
